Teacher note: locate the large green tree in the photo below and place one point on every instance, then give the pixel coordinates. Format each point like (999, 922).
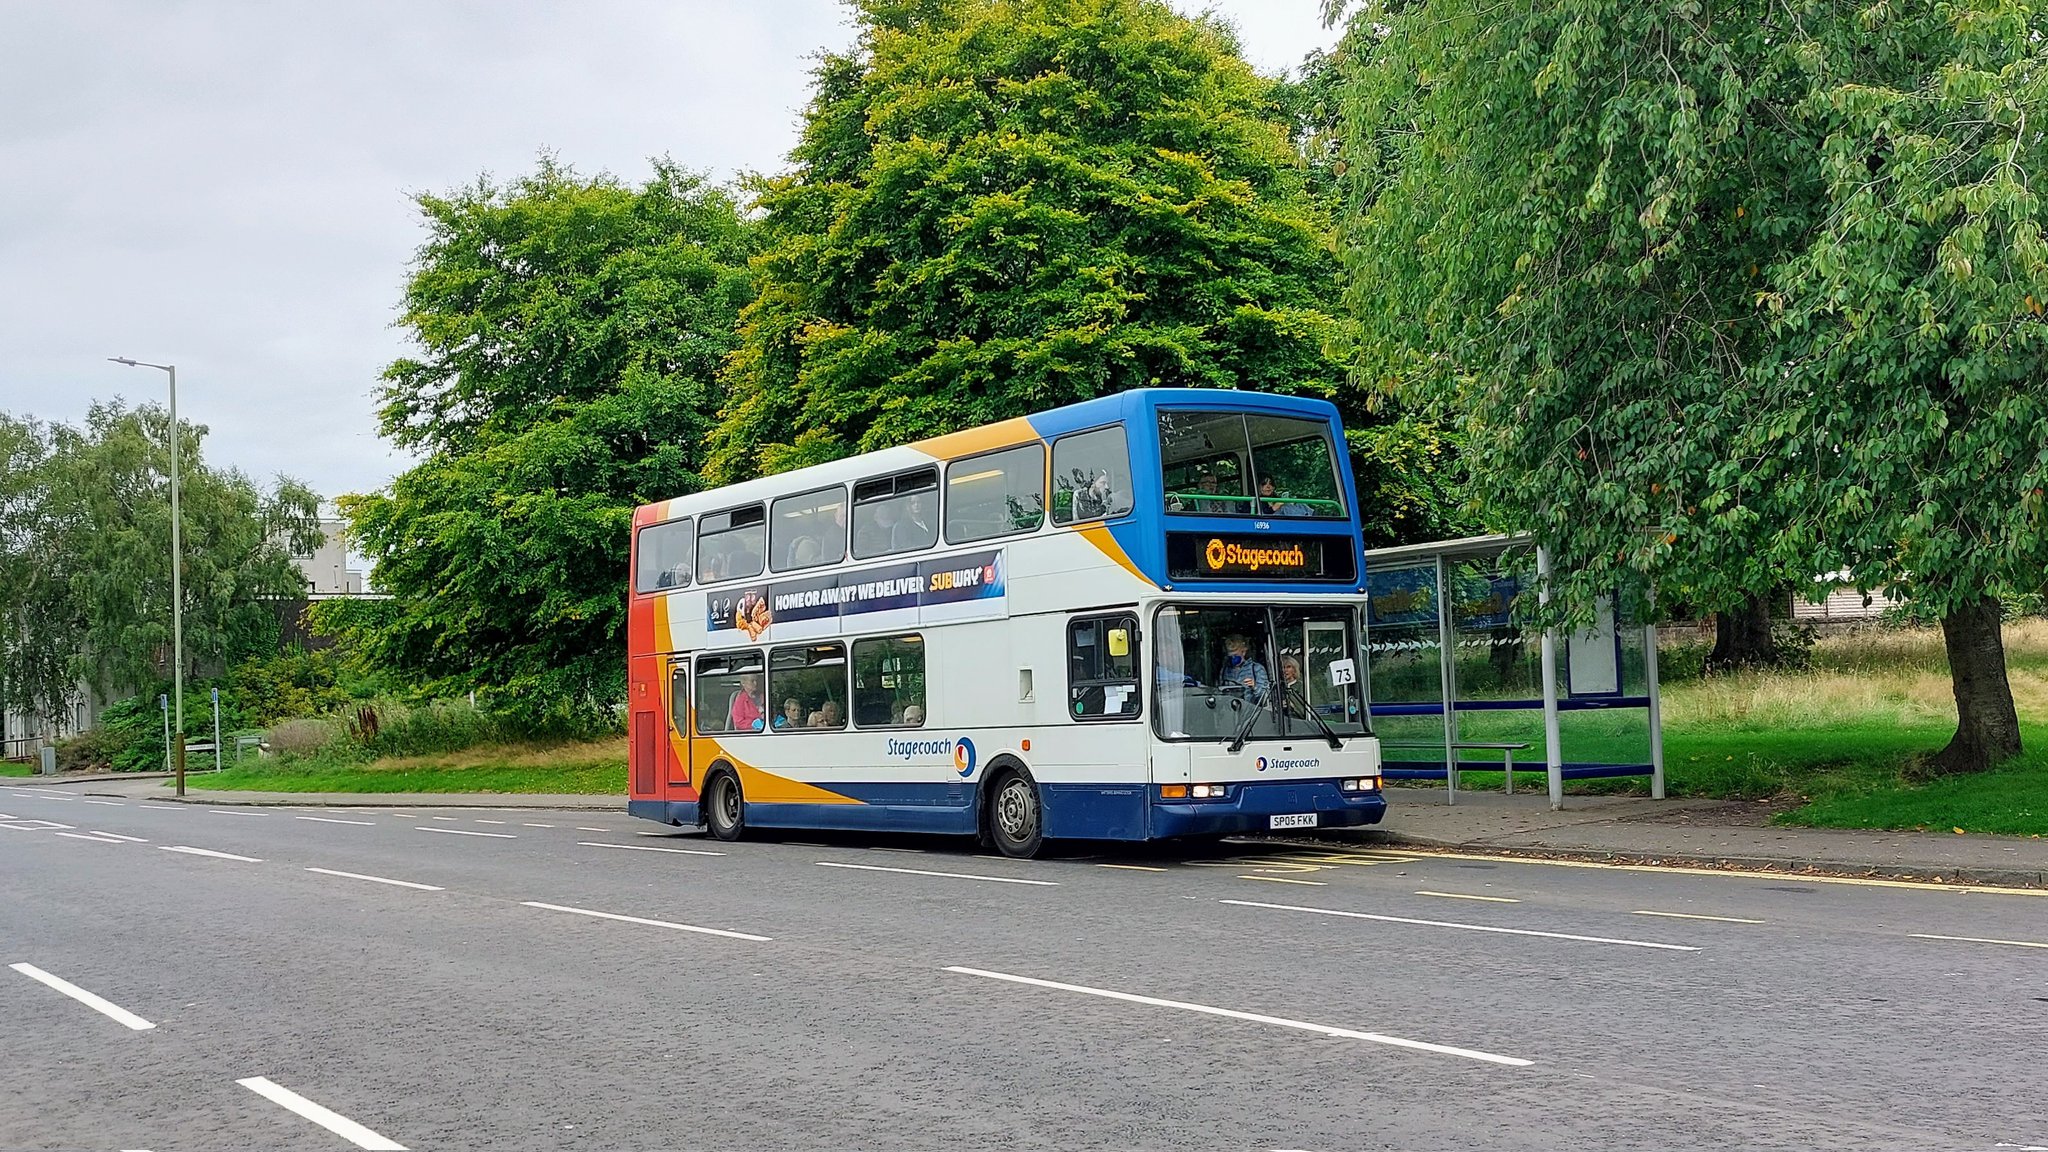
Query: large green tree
(85, 547)
(1000, 206)
(1721, 291)
(569, 334)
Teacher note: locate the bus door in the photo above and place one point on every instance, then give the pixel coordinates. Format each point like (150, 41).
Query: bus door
(676, 754)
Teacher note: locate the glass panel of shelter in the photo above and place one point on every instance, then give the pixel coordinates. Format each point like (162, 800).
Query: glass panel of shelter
(1404, 645)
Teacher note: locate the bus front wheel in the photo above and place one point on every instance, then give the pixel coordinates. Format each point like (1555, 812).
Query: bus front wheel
(1016, 820)
(725, 809)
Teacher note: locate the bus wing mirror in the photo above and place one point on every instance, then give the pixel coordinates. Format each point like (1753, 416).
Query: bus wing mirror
(1119, 642)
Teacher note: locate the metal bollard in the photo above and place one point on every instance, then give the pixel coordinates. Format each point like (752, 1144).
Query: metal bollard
(49, 764)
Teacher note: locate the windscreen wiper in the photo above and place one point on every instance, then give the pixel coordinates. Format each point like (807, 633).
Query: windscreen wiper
(1294, 695)
(1244, 730)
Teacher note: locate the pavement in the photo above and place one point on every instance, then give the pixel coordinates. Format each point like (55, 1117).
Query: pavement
(1702, 833)
(378, 976)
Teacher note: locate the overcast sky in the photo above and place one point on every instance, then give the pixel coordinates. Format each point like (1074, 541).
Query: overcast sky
(225, 186)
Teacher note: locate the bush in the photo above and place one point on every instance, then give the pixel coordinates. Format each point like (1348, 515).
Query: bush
(1682, 663)
(89, 750)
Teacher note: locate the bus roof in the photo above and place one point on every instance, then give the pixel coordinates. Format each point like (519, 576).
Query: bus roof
(1135, 406)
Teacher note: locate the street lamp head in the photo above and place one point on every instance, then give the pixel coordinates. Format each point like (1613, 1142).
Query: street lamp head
(122, 360)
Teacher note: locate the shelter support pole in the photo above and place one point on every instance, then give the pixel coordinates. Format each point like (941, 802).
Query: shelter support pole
(1446, 660)
(1656, 711)
(1553, 751)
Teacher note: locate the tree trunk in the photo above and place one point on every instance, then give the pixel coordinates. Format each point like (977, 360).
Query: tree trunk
(1987, 724)
(1742, 638)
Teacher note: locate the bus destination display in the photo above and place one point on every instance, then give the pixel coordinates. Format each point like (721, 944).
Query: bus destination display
(1202, 555)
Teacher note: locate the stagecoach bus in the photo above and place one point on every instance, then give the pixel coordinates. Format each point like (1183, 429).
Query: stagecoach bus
(1131, 618)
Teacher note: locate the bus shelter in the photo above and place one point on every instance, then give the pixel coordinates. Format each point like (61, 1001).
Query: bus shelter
(1459, 685)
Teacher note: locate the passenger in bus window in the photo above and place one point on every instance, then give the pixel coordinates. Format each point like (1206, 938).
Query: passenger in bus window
(1240, 671)
(827, 715)
(878, 535)
(915, 529)
(744, 713)
(674, 577)
(792, 714)
(913, 716)
(1276, 503)
(1290, 686)
(803, 553)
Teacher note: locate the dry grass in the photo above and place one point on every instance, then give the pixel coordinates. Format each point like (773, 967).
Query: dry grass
(1892, 677)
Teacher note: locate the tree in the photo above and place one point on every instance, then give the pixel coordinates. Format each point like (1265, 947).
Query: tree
(35, 675)
(1001, 206)
(1907, 440)
(86, 548)
(570, 331)
(1725, 294)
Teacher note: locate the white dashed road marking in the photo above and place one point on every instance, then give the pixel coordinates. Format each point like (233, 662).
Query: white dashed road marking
(103, 1007)
(649, 923)
(376, 879)
(118, 836)
(1978, 940)
(461, 832)
(333, 1121)
(1254, 1017)
(1464, 927)
(946, 875)
(210, 852)
(333, 820)
(647, 848)
(1694, 916)
(1469, 896)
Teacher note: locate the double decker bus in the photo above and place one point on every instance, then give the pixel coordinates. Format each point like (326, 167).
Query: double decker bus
(1131, 618)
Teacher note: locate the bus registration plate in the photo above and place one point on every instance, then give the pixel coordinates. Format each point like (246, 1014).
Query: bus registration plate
(1303, 820)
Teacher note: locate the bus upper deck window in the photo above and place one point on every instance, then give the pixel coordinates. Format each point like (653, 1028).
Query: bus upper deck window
(997, 493)
(664, 557)
(1091, 476)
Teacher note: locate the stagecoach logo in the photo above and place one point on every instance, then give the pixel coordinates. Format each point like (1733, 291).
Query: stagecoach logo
(961, 749)
(1284, 765)
(1223, 556)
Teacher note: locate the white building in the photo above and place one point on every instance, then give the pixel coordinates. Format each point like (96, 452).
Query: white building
(326, 569)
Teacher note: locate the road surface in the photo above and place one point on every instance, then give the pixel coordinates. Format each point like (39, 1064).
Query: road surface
(191, 977)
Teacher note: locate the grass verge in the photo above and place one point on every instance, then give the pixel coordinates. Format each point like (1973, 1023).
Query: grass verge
(17, 770)
(591, 768)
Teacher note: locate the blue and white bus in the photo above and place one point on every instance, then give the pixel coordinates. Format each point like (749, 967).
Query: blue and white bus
(1131, 618)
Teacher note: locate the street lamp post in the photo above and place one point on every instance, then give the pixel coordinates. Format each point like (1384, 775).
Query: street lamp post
(177, 577)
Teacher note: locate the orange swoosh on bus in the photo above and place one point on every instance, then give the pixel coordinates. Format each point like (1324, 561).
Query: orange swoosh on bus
(971, 441)
(758, 786)
(1099, 535)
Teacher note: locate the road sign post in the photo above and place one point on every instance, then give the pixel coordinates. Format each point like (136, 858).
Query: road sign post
(216, 729)
(164, 703)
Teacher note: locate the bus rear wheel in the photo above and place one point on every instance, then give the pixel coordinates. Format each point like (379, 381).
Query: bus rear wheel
(725, 809)
(1016, 820)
